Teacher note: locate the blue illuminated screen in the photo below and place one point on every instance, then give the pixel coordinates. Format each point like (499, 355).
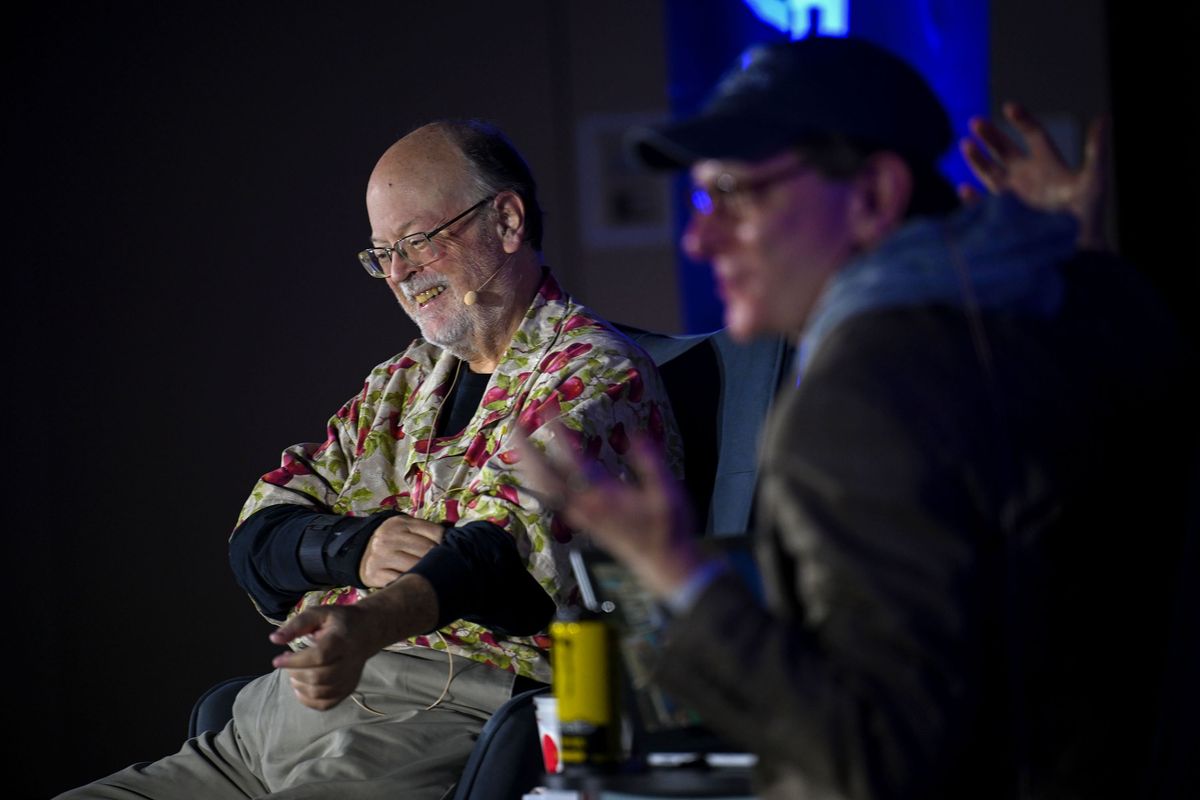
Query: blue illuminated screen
(798, 18)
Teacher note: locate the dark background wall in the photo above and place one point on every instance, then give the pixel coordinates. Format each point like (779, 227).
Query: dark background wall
(184, 199)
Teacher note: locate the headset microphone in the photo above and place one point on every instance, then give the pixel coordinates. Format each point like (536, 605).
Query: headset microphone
(472, 296)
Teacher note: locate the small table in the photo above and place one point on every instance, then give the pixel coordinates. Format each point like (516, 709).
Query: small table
(678, 783)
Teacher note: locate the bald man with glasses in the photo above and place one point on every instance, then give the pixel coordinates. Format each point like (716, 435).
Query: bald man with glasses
(407, 567)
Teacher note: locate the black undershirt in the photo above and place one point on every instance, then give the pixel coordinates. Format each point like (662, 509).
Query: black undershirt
(463, 401)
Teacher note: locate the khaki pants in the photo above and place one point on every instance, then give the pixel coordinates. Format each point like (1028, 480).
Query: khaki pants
(275, 747)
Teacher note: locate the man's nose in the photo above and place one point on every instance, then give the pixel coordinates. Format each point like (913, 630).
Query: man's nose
(398, 268)
(703, 236)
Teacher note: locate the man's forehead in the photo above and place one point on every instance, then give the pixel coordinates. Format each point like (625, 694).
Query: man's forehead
(706, 171)
(425, 159)
(413, 187)
(397, 209)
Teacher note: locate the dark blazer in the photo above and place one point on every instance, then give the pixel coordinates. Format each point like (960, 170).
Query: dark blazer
(969, 528)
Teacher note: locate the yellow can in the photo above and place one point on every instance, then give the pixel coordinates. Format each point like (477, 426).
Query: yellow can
(586, 687)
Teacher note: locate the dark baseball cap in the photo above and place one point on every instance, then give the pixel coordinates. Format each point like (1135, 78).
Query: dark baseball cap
(779, 95)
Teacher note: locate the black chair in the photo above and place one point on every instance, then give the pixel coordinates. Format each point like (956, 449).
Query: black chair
(720, 392)
(214, 708)
(507, 759)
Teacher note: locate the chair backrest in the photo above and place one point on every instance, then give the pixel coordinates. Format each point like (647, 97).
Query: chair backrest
(214, 708)
(720, 391)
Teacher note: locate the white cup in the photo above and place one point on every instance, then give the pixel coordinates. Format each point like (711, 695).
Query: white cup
(546, 707)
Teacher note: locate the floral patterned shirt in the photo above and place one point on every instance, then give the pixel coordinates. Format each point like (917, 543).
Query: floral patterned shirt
(564, 364)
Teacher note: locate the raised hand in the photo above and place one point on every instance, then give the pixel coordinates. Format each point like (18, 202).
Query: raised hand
(645, 523)
(1037, 172)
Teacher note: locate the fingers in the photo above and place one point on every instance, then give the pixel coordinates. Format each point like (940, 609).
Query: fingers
(624, 514)
(999, 146)
(1025, 123)
(565, 478)
(1032, 131)
(376, 576)
(318, 653)
(319, 675)
(431, 531)
(1089, 201)
(308, 658)
(421, 532)
(400, 542)
(987, 171)
(395, 547)
(303, 623)
(540, 478)
(560, 472)
(1095, 146)
(647, 524)
(327, 671)
(320, 698)
(402, 538)
(560, 452)
(322, 687)
(614, 509)
(649, 467)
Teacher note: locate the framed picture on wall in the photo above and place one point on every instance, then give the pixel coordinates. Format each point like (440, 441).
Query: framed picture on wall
(621, 204)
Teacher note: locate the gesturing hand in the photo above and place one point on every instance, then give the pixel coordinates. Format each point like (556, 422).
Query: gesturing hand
(1037, 173)
(342, 638)
(327, 671)
(645, 523)
(394, 547)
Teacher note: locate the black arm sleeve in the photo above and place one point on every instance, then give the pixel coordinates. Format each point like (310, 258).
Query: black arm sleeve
(280, 552)
(478, 576)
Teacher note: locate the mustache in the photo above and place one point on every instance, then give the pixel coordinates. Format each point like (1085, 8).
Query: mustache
(413, 286)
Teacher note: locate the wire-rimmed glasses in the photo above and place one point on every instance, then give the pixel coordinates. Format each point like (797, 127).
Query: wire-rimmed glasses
(418, 249)
(732, 195)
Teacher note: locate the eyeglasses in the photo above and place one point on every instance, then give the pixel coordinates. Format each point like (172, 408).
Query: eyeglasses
(418, 249)
(729, 195)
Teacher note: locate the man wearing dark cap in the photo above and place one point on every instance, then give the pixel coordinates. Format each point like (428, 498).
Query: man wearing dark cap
(972, 492)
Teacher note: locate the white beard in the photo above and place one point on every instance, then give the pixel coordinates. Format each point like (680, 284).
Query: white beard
(459, 329)
(453, 334)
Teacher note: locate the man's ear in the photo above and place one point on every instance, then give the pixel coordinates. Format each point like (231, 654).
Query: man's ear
(883, 190)
(510, 220)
